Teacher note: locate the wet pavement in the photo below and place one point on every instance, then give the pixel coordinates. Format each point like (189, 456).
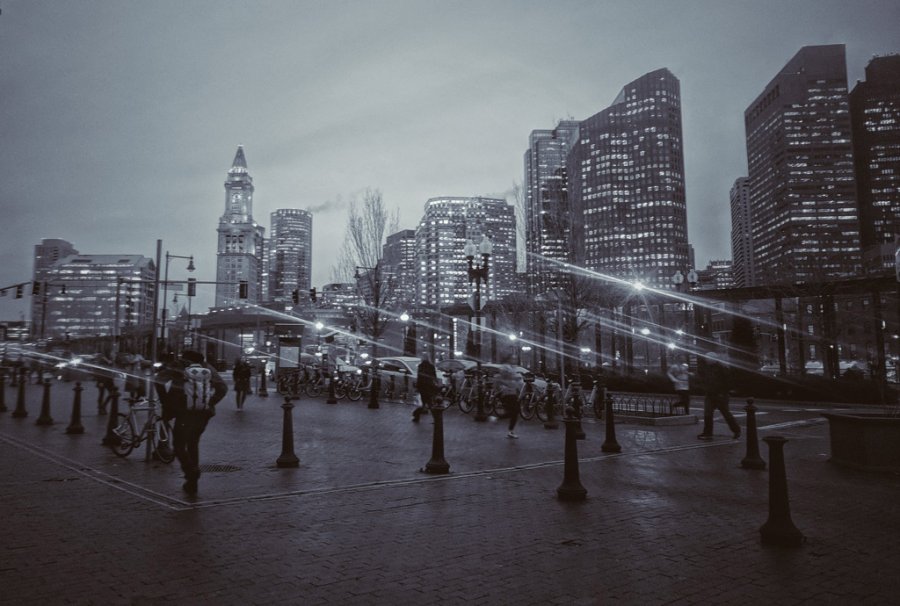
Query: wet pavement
(669, 520)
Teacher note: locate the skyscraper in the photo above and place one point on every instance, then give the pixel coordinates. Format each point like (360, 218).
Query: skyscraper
(399, 258)
(240, 251)
(289, 249)
(626, 182)
(547, 214)
(741, 235)
(441, 238)
(875, 116)
(48, 252)
(800, 168)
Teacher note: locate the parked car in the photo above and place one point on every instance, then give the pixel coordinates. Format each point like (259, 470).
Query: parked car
(398, 367)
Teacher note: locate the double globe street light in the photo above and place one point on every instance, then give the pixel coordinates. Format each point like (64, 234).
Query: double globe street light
(478, 274)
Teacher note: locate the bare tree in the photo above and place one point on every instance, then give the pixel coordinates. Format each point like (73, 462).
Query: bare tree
(360, 256)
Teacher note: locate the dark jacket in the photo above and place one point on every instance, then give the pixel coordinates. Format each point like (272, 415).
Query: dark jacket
(426, 379)
(241, 374)
(169, 388)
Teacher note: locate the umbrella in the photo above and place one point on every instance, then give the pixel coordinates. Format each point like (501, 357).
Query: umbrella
(454, 365)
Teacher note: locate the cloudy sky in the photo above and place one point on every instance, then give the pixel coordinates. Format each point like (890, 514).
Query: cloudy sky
(120, 118)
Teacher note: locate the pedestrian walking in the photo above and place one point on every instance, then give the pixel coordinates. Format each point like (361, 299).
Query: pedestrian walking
(508, 384)
(680, 377)
(716, 382)
(427, 385)
(241, 375)
(189, 390)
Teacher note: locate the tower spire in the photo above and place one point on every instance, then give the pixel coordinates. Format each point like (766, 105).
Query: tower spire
(239, 160)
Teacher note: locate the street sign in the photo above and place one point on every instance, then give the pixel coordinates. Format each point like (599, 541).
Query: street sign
(472, 302)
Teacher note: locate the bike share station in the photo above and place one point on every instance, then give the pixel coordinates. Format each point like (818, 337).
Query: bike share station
(289, 347)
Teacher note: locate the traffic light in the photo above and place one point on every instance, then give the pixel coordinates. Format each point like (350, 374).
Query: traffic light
(63, 290)
(312, 295)
(243, 289)
(35, 289)
(295, 296)
(19, 290)
(192, 287)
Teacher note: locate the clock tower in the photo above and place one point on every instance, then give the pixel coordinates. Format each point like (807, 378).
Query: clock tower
(240, 251)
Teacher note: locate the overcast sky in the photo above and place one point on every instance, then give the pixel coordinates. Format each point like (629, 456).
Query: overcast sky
(119, 119)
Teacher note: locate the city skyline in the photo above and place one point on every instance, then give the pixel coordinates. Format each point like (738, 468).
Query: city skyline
(112, 151)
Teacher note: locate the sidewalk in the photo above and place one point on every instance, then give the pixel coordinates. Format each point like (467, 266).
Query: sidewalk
(669, 520)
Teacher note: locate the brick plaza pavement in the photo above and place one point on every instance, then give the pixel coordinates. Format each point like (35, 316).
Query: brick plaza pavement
(670, 520)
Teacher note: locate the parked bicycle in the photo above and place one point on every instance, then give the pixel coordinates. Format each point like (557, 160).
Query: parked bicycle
(554, 393)
(153, 429)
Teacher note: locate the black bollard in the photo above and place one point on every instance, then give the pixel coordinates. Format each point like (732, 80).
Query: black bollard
(779, 530)
(3, 407)
(579, 431)
(101, 398)
(374, 389)
(20, 412)
(332, 399)
(287, 457)
(75, 426)
(263, 391)
(44, 418)
(550, 405)
(610, 444)
(752, 460)
(571, 488)
(437, 464)
(111, 439)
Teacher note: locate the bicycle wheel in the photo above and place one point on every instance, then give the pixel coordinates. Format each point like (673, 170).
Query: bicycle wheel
(494, 406)
(466, 401)
(340, 390)
(161, 444)
(527, 406)
(126, 435)
(281, 386)
(355, 393)
(314, 389)
(540, 409)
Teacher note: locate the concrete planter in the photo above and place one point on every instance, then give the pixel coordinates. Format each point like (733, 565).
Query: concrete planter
(865, 441)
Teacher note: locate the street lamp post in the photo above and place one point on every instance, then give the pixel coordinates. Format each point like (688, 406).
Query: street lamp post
(165, 312)
(478, 274)
(376, 295)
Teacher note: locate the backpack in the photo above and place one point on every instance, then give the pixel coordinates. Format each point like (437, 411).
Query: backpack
(197, 387)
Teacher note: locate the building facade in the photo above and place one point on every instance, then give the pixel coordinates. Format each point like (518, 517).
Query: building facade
(741, 234)
(448, 223)
(46, 254)
(875, 117)
(94, 296)
(547, 213)
(241, 239)
(399, 261)
(289, 254)
(800, 168)
(626, 181)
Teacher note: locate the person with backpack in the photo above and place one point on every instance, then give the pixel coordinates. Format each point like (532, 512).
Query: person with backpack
(241, 374)
(189, 390)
